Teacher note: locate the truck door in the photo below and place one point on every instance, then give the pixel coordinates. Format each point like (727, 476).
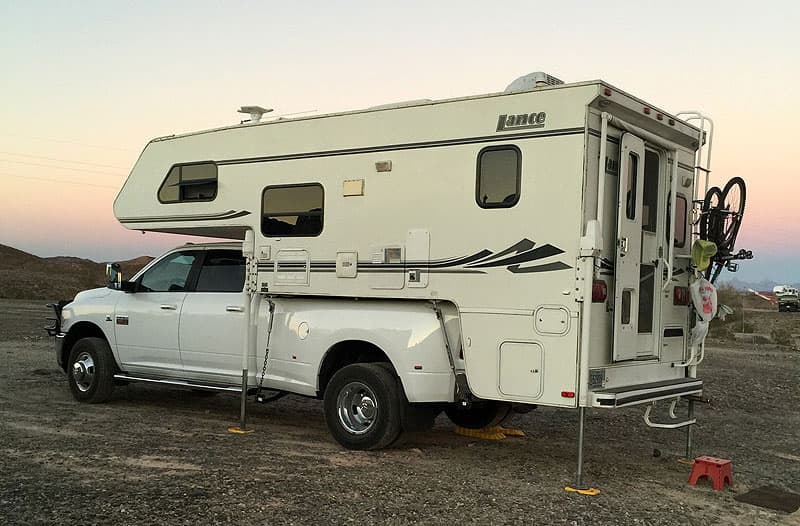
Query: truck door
(628, 248)
(146, 321)
(213, 324)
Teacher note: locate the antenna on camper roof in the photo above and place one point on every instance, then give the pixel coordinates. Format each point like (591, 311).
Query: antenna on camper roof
(256, 112)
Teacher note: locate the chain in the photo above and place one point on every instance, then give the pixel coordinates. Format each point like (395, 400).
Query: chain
(266, 349)
(263, 372)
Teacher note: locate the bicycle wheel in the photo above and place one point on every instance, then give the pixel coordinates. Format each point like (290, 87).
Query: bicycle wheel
(733, 200)
(708, 219)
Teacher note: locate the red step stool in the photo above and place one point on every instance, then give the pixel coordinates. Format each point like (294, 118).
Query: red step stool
(717, 469)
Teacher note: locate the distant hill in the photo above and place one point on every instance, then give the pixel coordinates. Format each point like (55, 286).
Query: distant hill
(25, 276)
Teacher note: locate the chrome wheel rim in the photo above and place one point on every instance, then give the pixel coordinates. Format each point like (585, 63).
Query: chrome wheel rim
(83, 371)
(357, 408)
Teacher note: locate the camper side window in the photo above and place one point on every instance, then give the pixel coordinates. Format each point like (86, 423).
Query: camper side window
(292, 211)
(189, 182)
(499, 170)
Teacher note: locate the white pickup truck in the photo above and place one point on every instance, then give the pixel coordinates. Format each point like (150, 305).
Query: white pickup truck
(181, 321)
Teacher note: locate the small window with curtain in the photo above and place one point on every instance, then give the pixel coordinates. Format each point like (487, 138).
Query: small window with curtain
(189, 182)
(630, 185)
(499, 174)
(681, 211)
(292, 211)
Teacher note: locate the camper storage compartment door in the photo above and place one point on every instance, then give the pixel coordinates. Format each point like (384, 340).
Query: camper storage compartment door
(521, 369)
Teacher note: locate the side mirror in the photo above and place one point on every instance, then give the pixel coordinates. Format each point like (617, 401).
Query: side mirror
(113, 275)
(127, 286)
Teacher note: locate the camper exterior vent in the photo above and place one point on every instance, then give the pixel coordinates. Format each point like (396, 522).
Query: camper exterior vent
(537, 79)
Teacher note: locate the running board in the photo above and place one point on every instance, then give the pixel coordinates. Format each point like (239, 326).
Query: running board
(644, 393)
(177, 383)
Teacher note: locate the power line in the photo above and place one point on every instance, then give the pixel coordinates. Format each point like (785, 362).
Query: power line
(58, 181)
(61, 160)
(83, 170)
(69, 142)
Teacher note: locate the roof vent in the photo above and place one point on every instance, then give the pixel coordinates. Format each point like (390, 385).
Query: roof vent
(534, 80)
(256, 112)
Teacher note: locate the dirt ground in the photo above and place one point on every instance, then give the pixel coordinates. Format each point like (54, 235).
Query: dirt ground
(162, 456)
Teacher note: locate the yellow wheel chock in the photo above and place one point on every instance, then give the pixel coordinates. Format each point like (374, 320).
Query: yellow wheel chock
(489, 433)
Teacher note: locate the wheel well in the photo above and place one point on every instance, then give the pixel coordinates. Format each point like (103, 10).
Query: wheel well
(345, 353)
(82, 329)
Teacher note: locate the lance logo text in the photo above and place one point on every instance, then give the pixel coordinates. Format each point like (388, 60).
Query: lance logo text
(521, 121)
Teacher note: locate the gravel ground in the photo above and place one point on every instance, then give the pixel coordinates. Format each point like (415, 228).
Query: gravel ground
(162, 456)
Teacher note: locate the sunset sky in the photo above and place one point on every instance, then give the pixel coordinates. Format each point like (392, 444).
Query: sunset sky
(84, 85)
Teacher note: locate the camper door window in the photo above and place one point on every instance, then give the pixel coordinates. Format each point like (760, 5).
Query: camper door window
(498, 182)
(292, 211)
(189, 182)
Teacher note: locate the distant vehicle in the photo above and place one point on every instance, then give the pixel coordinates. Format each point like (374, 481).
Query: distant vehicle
(528, 247)
(788, 298)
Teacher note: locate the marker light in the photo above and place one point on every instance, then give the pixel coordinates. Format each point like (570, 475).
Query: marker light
(599, 291)
(567, 394)
(680, 296)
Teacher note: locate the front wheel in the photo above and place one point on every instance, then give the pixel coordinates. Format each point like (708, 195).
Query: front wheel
(482, 413)
(362, 406)
(90, 370)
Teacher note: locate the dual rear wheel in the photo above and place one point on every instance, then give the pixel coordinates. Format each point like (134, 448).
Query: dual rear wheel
(366, 409)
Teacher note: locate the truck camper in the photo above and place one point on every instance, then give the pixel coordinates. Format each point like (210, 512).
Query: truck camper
(522, 248)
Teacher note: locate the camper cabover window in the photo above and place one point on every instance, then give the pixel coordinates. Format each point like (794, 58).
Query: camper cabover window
(292, 211)
(499, 169)
(189, 182)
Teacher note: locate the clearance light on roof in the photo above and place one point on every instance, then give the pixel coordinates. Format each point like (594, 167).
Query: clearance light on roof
(671, 122)
(607, 92)
(646, 110)
(660, 116)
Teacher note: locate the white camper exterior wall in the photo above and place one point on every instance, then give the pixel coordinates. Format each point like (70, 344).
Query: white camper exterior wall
(519, 316)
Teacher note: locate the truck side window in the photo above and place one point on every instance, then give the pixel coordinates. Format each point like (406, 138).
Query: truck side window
(499, 174)
(189, 182)
(222, 271)
(292, 211)
(168, 275)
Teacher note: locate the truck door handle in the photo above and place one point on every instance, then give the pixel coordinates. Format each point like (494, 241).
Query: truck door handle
(165, 306)
(234, 308)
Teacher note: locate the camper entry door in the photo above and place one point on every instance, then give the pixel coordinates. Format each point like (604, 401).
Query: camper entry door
(628, 248)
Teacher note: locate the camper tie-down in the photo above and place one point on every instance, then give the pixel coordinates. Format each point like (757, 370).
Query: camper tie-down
(473, 255)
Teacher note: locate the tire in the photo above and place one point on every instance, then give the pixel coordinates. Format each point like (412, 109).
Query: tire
(708, 219)
(734, 196)
(90, 370)
(480, 414)
(363, 406)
